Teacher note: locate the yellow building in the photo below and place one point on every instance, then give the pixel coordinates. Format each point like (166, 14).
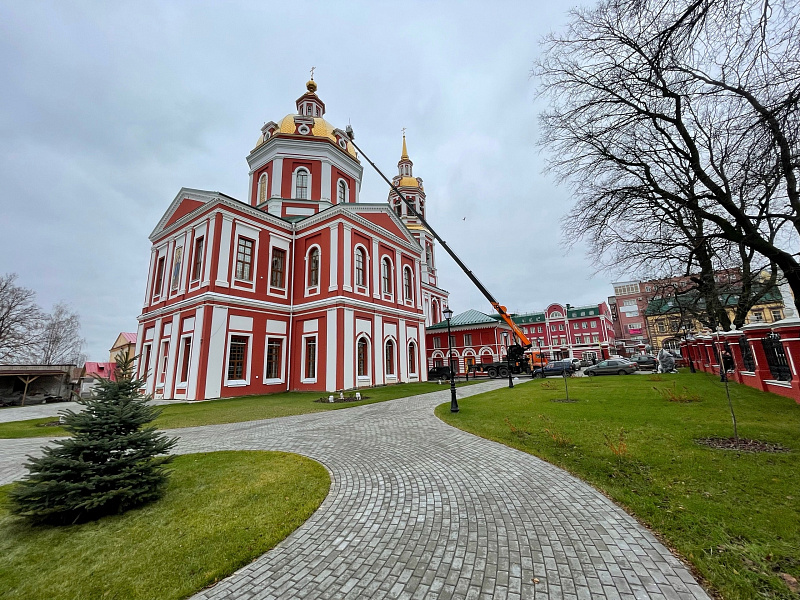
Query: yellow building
(125, 345)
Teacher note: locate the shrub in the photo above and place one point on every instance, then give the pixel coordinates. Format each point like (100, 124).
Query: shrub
(111, 463)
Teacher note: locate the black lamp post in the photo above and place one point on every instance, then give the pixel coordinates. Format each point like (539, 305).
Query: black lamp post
(448, 314)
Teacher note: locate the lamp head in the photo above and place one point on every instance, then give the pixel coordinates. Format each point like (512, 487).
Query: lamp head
(448, 314)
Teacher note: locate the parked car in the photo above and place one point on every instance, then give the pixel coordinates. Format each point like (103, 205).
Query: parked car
(645, 361)
(586, 362)
(558, 367)
(611, 367)
(438, 373)
(576, 362)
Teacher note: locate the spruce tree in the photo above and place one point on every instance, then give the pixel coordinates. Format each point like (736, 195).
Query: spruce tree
(111, 463)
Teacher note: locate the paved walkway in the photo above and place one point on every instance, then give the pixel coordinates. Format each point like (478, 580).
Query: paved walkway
(418, 509)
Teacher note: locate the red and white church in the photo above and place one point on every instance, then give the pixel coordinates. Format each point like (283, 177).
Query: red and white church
(301, 287)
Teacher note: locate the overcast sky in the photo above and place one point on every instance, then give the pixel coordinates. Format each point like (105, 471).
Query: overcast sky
(107, 109)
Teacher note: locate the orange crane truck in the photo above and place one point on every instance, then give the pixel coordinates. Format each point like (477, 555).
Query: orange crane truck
(517, 362)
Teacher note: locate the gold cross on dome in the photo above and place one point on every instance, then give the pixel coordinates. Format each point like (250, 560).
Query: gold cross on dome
(312, 73)
(404, 132)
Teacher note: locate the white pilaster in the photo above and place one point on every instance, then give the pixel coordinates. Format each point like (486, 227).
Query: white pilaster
(209, 247)
(422, 368)
(402, 350)
(169, 380)
(380, 376)
(347, 257)
(155, 350)
(331, 347)
(348, 333)
(194, 361)
(325, 191)
(376, 270)
(334, 259)
(224, 251)
(216, 351)
(277, 177)
(398, 278)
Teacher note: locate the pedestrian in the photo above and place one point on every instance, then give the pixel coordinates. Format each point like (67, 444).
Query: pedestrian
(726, 365)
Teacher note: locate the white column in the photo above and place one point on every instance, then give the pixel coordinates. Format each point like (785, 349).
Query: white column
(347, 256)
(216, 351)
(209, 246)
(417, 284)
(380, 376)
(325, 191)
(398, 278)
(277, 176)
(376, 270)
(334, 258)
(423, 353)
(224, 251)
(194, 361)
(348, 335)
(331, 347)
(155, 350)
(138, 351)
(402, 342)
(149, 293)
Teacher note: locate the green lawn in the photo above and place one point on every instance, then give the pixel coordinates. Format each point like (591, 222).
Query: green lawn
(221, 510)
(734, 516)
(235, 410)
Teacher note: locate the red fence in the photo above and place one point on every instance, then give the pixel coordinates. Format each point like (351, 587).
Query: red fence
(764, 355)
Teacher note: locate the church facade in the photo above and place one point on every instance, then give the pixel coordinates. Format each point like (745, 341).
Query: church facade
(301, 287)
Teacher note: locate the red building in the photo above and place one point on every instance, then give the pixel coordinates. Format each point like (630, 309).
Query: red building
(559, 331)
(299, 287)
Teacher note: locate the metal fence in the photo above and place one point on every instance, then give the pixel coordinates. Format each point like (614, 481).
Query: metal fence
(776, 357)
(747, 354)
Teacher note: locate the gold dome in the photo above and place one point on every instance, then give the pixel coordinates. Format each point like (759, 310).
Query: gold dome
(408, 182)
(321, 128)
(311, 86)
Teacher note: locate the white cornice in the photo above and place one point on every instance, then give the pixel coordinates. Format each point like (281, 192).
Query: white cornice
(304, 148)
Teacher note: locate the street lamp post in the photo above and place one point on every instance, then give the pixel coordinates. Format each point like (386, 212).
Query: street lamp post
(448, 314)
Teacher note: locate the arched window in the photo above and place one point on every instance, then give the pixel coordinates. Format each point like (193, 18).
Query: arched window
(262, 188)
(362, 357)
(412, 357)
(390, 357)
(301, 185)
(361, 267)
(342, 191)
(407, 287)
(386, 276)
(399, 208)
(313, 267)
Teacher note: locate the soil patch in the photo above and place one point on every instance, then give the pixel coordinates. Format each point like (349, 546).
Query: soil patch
(742, 445)
(564, 400)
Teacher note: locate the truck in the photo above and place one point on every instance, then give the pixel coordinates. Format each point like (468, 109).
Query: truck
(516, 361)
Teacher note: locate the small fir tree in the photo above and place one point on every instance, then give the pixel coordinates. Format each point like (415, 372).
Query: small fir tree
(111, 463)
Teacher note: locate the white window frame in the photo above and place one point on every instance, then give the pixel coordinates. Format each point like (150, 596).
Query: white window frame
(143, 372)
(265, 179)
(294, 183)
(282, 370)
(594, 324)
(162, 366)
(250, 234)
(182, 384)
(312, 290)
(387, 295)
(395, 365)
(248, 361)
(410, 300)
(339, 182)
(415, 373)
(368, 376)
(361, 289)
(280, 244)
(303, 378)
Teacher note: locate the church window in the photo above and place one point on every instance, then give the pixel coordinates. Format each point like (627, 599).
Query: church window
(407, 287)
(386, 276)
(186, 354)
(398, 208)
(278, 268)
(159, 277)
(390, 357)
(301, 185)
(162, 372)
(236, 357)
(310, 357)
(262, 188)
(197, 266)
(244, 259)
(468, 339)
(342, 191)
(176, 268)
(361, 260)
(437, 342)
(274, 348)
(412, 358)
(362, 357)
(318, 111)
(313, 267)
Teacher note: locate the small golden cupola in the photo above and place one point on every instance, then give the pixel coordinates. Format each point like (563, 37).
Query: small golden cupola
(309, 104)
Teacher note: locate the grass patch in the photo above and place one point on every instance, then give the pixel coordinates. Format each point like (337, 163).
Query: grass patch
(733, 515)
(221, 510)
(236, 410)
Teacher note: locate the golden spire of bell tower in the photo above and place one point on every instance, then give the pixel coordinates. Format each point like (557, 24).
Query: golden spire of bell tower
(404, 156)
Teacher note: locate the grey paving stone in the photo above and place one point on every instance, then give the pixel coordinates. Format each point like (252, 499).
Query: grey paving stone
(418, 509)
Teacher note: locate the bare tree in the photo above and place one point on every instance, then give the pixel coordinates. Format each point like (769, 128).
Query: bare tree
(58, 339)
(19, 318)
(677, 122)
